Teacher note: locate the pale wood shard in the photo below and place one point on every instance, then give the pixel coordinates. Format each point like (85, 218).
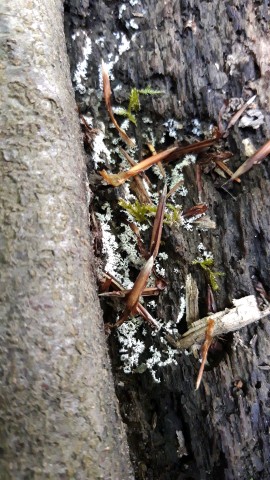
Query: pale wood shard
(244, 313)
(192, 295)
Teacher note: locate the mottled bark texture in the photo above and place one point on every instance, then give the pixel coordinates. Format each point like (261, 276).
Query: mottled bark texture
(199, 53)
(59, 414)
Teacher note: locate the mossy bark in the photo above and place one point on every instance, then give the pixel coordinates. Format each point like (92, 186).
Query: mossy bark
(199, 54)
(59, 414)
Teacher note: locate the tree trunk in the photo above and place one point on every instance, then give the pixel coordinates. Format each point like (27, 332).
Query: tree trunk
(199, 54)
(59, 414)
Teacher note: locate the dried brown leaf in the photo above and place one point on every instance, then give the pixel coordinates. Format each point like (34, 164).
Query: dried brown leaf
(139, 285)
(140, 310)
(138, 186)
(158, 224)
(167, 156)
(107, 96)
(198, 209)
(205, 348)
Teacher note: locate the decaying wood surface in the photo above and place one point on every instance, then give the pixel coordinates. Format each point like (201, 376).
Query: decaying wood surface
(199, 54)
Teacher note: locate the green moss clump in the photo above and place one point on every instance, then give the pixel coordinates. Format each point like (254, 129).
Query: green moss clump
(139, 211)
(212, 276)
(134, 101)
(142, 212)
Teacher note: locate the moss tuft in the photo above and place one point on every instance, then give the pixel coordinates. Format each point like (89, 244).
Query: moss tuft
(212, 276)
(142, 212)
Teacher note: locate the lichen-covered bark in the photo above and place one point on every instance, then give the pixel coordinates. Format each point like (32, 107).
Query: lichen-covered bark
(59, 414)
(199, 54)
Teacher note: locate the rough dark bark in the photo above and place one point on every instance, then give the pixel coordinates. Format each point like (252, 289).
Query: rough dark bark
(59, 414)
(199, 53)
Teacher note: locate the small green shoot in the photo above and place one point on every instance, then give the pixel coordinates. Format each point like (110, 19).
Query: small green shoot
(134, 102)
(123, 112)
(207, 265)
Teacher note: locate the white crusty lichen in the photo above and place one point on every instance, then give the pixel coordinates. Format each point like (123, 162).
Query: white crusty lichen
(131, 347)
(160, 359)
(132, 24)
(155, 356)
(121, 10)
(125, 125)
(115, 264)
(197, 128)
(172, 127)
(176, 175)
(163, 256)
(170, 326)
(128, 244)
(100, 152)
(81, 69)
(204, 254)
(182, 308)
(188, 223)
(124, 45)
(159, 269)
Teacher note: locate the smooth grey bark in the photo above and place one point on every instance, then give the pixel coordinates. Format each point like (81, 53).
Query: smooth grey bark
(59, 415)
(199, 54)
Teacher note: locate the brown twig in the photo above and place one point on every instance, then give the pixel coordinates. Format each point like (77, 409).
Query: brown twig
(226, 169)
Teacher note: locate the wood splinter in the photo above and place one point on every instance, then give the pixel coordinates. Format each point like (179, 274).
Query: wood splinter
(245, 312)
